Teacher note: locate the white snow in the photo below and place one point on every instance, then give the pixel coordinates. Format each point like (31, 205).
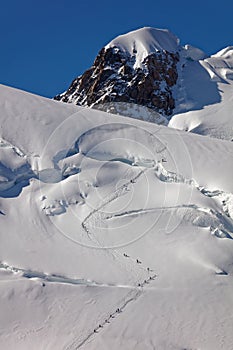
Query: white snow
(193, 53)
(204, 95)
(117, 235)
(133, 110)
(144, 41)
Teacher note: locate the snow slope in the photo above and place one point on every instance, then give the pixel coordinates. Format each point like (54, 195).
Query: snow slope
(204, 96)
(115, 233)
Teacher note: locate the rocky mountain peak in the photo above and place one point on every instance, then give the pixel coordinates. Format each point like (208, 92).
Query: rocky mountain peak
(139, 67)
(143, 42)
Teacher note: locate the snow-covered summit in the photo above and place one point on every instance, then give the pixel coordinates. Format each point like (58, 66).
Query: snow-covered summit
(149, 68)
(144, 41)
(138, 68)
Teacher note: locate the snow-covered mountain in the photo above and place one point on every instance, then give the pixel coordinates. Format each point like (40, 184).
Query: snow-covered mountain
(139, 67)
(117, 233)
(148, 75)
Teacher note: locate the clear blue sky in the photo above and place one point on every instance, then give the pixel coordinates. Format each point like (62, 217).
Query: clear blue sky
(45, 44)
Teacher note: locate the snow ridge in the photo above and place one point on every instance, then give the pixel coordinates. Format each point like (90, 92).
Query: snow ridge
(145, 41)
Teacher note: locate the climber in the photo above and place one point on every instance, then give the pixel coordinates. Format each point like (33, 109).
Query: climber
(138, 261)
(153, 277)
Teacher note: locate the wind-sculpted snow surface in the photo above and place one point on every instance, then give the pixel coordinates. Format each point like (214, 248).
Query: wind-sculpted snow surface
(204, 96)
(121, 227)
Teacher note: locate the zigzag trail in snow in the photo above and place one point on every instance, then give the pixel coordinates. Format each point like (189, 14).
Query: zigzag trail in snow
(171, 177)
(137, 290)
(97, 212)
(119, 192)
(165, 176)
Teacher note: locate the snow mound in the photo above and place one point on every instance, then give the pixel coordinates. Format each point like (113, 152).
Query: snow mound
(194, 53)
(142, 42)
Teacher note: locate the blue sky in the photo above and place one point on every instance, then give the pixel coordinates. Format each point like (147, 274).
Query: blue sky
(45, 44)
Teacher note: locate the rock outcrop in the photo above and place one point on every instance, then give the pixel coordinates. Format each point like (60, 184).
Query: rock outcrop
(114, 77)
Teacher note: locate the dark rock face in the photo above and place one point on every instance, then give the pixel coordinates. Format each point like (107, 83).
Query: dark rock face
(113, 78)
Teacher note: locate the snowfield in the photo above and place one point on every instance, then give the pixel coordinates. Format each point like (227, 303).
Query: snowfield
(115, 233)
